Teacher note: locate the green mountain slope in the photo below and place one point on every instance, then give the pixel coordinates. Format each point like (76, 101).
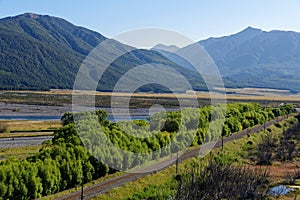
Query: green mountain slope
(43, 52)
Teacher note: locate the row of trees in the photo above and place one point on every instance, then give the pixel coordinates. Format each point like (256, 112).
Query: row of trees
(59, 165)
(90, 146)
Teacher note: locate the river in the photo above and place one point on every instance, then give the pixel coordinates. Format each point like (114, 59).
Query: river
(57, 118)
(54, 113)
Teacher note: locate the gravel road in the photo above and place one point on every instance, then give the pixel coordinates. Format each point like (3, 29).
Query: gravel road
(22, 141)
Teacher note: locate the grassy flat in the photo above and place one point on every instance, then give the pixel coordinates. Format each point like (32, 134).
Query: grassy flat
(19, 153)
(10, 126)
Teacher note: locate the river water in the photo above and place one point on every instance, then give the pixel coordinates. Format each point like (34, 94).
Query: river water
(57, 118)
(54, 113)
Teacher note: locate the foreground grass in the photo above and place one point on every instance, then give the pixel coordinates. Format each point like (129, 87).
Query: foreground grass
(161, 179)
(77, 188)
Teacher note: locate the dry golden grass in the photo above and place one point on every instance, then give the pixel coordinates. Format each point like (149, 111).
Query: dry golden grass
(243, 94)
(20, 152)
(25, 134)
(29, 126)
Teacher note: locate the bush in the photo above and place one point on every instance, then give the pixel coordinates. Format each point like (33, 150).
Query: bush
(278, 125)
(3, 127)
(217, 181)
(154, 192)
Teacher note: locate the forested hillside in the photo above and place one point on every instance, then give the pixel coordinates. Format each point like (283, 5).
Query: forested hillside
(40, 52)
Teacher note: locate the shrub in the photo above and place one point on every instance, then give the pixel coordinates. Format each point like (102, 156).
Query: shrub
(278, 125)
(217, 181)
(3, 127)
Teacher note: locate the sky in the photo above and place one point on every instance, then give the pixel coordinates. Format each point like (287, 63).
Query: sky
(196, 19)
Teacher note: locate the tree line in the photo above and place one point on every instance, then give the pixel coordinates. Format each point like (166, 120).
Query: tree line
(75, 150)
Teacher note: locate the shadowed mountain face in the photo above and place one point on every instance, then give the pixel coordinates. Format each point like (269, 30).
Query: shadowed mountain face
(44, 52)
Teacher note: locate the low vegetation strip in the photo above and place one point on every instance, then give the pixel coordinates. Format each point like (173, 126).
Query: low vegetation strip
(19, 152)
(17, 126)
(57, 102)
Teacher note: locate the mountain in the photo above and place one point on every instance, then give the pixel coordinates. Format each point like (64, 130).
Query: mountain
(256, 58)
(171, 52)
(170, 48)
(41, 52)
(250, 58)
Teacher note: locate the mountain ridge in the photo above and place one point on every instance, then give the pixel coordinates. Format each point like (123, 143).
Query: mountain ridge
(37, 47)
(255, 58)
(42, 52)
(267, 59)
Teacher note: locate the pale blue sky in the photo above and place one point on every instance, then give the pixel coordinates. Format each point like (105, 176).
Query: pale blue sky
(197, 19)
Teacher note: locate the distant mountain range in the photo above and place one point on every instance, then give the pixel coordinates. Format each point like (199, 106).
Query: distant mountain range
(255, 58)
(252, 58)
(39, 52)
